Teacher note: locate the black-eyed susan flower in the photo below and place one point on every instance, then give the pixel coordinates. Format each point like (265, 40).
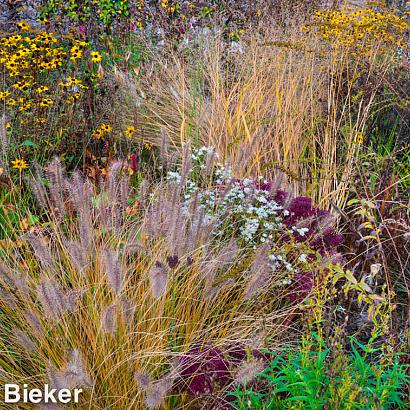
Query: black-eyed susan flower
(95, 57)
(47, 38)
(22, 85)
(106, 127)
(19, 164)
(130, 131)
(76, 53)
(4, 42)
(81, 43)
(97, 134)
(42, 20)
(12, 65)
(46, 102)
(359, 138)
(23, 25)
(19, 54)
(4, 94)
(15, 40)
(25, 107)
(42, 89)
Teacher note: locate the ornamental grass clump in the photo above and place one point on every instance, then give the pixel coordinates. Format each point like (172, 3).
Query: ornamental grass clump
(113, 301)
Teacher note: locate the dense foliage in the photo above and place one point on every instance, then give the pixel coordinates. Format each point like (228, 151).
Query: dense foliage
(206, 204)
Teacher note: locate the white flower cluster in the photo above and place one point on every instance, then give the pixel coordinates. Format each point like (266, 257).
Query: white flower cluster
(233, 205)
(174, 176)
(202, 153)
(300, 231)
(239, 208)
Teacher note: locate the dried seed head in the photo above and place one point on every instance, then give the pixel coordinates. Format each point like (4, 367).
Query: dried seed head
(248, 370)
(73, 375)
(51, 297)
(132, 248)
(109, 319)
(22, 286)
(124, 191)
(158, 279)
(39, 191)
(143, 379)
(76, 366)
(172, 261)
(163, 149)
(75, 190)
(227, 256)
(214, 290)
(85, 229)
(41, 250)
(186, 164)
(57, 183)
(155, 392)
(72, 299)
(128, 310)
(210, 162)
(114, 270)
(78, 255)
(35, 324)
(7, 276)
(55, 378)
(4, 143)
(259, 273)
(24, 340)
(113, 182)
(8, 298)
(144, 192)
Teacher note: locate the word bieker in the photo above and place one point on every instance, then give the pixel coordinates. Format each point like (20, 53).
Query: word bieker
(12, 394)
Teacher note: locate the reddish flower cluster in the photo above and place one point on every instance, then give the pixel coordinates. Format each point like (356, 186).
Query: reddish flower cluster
(205, 370)
(320, 237)
(202, 370)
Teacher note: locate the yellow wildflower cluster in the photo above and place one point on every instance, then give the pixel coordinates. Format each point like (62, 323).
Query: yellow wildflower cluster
(359, 28)
(30, 62)
(236, 34)
(101, 131)
(170, 8)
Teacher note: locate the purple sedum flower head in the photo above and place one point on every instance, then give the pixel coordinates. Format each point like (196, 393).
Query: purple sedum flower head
(201, 370)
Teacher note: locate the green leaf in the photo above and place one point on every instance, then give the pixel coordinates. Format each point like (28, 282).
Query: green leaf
(28, 143)
(349, 276)
(364, 286)
(32, 219)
